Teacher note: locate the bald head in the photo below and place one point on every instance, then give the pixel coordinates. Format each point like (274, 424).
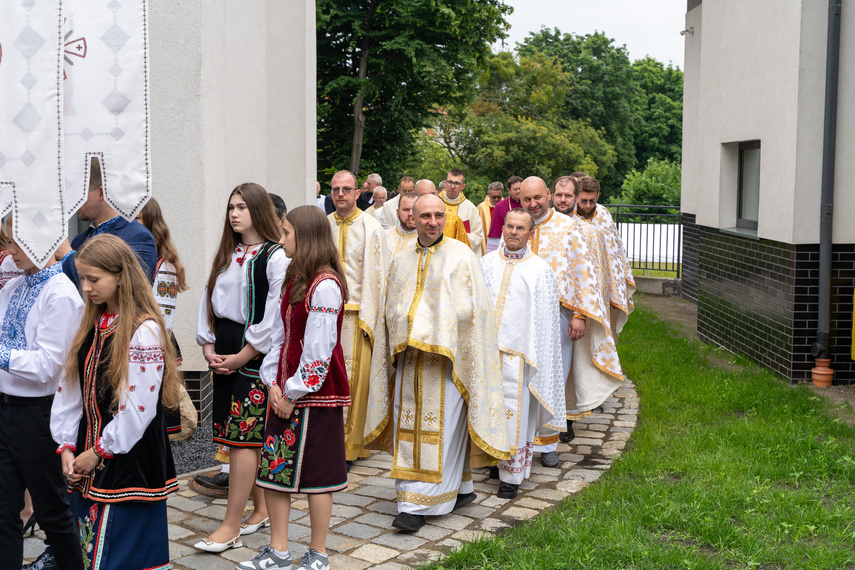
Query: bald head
(425, 186)
(534, 196)
(429, 212)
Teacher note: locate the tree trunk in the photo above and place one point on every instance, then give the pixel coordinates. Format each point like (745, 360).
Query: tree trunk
(358, 114)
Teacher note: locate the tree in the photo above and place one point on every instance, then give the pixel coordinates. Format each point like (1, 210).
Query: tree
(383, 63)
(660, 108)
(603, 90)
(516, 126)
(657, 185)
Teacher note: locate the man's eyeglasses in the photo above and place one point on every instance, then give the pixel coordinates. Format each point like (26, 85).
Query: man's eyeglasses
(344, 190)
(453, 183)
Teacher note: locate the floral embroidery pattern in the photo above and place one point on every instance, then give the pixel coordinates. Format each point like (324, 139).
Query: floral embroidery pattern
(328, 310)
(277, 454)
(314, 373)
(245, 417)
(86, 527)
(145, 355)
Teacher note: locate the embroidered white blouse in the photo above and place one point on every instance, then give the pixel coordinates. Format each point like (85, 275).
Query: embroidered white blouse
(8, 270)
(318, 343)
(137, 404)
(229, 299)
(165, 291)
(32, 346)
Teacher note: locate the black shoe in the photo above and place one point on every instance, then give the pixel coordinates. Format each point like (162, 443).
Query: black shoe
(507, 491)
(218, 481)
(549, 459)
(494, 472)
(463, 500)
(348, 465)
(30, 526)
(45, 561)
(569, 435)
(408, 522)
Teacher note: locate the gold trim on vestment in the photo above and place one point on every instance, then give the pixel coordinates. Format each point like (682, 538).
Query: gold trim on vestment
(426, 500)
(545, 439)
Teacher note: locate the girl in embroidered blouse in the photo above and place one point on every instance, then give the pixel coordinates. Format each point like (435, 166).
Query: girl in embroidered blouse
(108, 413)
(235, 317)
(304, 371)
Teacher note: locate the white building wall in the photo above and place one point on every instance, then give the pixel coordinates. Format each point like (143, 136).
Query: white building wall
(756, 70)
(233, 100)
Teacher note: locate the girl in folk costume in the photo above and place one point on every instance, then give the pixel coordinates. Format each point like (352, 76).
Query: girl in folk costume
(8, 269)
(108, 413)
(169, 280)
(235, 318)
(305, 374)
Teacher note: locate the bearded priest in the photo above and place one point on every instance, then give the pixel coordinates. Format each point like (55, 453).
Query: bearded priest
(403, 235)
(363, 252)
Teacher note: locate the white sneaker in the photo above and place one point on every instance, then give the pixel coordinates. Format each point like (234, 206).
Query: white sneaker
(314, 560)
(267, 560)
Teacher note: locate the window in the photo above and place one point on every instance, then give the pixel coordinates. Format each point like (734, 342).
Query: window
(748, 186)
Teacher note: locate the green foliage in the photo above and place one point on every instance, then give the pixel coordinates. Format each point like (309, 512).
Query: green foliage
(728, 467)
(660, 109)
(418, 53)
(657, 185)
(603, 90)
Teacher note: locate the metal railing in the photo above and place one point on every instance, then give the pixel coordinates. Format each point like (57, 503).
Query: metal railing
(652, 236)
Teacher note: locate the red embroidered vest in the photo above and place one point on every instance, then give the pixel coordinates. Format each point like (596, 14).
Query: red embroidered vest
(334, 390)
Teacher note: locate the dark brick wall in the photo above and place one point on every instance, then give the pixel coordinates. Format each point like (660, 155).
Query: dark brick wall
(201, 390)
(690, 261)
(758, 297)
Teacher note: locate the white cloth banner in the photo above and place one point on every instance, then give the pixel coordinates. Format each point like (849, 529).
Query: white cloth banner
(31, 151)
(106, 102)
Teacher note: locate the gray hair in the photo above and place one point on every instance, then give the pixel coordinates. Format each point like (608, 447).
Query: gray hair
(496, 186)
(376, 188)
(375, 178)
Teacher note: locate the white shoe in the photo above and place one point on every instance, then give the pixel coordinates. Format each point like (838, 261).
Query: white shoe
(246, 528)
(209, 545)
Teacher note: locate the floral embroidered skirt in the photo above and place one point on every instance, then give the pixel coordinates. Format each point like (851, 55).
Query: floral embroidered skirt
(240, 399)
(305, 453)
(120, 536)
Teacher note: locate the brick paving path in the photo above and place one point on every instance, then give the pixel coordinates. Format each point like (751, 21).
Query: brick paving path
(361, 535)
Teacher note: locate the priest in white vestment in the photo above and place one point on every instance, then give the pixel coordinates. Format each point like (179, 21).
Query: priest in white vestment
(362, 250)
(592, 367)
(524, 291)
(444, 410)
(403, 235)
(621, 282)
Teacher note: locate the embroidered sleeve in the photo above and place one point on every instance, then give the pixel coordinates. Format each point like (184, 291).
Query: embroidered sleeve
(138, 403)
(270, 365)
(204, 334)
(166, 292)
(318, 342)
(258, 335)
(65, 413)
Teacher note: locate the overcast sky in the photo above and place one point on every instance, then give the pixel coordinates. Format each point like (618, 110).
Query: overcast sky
(646, 27)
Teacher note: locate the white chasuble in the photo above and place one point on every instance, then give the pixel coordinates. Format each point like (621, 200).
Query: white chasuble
(567, 246)
(31, 128)
(621, 282)
(107, 106)
(398, 240)
(437, 303)
(362, 249)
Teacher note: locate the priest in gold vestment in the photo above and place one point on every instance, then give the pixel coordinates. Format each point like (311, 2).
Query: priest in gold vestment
(621, 282)
(363, 252)
(524, 290)
(591, 363)
(403, 235)
(443, 412)
(457, 204)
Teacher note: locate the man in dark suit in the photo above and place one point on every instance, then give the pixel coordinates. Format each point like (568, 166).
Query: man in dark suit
(366, 197)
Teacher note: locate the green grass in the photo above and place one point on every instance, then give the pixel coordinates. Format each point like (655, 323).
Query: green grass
(726, 469)
(667, 270)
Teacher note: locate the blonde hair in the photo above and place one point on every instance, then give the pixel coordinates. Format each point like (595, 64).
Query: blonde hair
(136, 304)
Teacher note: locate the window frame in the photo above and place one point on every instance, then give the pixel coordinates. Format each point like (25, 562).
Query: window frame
(740, 221)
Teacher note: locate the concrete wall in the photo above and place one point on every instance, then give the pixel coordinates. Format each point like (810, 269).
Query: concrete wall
(233, 100)
(755, 70)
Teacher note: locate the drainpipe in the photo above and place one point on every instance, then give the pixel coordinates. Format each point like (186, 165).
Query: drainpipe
(822, 373)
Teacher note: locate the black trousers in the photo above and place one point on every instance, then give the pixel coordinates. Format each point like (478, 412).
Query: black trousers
(28, 460)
